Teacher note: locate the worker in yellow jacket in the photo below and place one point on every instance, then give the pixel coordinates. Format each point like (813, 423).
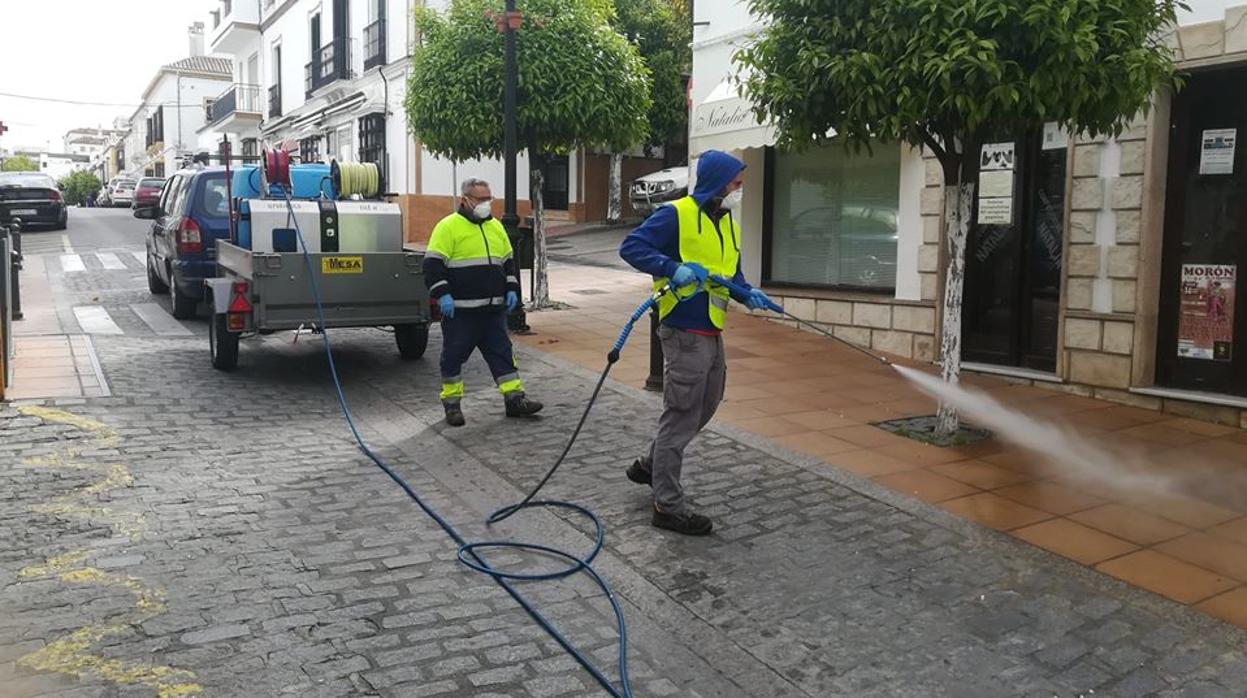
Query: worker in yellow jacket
(470, 270)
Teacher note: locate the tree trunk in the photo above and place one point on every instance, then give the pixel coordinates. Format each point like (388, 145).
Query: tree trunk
(614, 205)
(958, 199)
(541, 285)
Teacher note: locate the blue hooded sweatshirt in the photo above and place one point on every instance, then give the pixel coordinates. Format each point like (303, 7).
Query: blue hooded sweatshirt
(654, 247)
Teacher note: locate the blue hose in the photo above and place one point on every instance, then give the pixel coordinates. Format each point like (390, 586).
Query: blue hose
(469, 553)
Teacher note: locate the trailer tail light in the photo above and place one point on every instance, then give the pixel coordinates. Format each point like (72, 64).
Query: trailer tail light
(239, 307)
(188, 236)
(435, 310)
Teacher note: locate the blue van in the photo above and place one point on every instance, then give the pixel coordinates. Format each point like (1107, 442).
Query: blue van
(190, 216)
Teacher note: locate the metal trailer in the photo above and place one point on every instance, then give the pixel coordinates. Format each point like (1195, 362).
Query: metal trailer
(259, 292)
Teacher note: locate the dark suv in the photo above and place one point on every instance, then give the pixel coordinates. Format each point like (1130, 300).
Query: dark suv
(190, 216)
(33, 197)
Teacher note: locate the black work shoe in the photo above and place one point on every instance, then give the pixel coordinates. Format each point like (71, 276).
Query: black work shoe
(688, 523)
(638, 473)
(454, 415)
(519, 405)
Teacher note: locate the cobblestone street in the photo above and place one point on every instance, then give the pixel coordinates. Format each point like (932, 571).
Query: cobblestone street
(217, 534)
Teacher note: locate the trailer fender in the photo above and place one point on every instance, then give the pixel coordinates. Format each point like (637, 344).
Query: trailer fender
(219, 292)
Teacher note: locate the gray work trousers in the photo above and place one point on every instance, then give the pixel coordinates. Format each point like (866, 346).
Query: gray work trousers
(694, 375)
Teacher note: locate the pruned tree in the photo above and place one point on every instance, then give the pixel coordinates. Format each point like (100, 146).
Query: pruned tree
(951, 75)
(580, 85)
(19, 163)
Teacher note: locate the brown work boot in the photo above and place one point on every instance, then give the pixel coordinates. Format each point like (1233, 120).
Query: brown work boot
(454, 414)
(688, 523)
(640, 473)
(518, 405)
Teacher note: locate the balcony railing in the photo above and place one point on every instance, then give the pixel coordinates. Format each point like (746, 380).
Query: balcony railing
(374, 44)
(329, 63)
(274, 101)
(237, 99)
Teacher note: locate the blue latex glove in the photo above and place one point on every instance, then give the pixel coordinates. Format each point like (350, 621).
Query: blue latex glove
(689, 273)
(447, 305)
(512, 301)
(758, 300)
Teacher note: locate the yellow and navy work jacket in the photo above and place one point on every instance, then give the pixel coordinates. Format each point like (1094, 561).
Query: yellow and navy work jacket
(715, 246)
(472, 261)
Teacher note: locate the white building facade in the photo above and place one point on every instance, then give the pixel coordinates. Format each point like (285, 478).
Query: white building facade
(164, 131)
(1109, 271)
(327, 79)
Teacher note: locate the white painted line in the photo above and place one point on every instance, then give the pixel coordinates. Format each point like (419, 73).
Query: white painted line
(140, 255)
(71, 263)
(93, 319)
(66, 245)
(159, 320)
(110, 260)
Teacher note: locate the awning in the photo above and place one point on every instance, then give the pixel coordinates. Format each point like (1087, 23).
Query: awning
(725, 121)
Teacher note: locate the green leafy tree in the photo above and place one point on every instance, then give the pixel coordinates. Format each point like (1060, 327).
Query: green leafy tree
(19, 163)
(78, 185)
(661, 31)
(580, 85)
(952, 75)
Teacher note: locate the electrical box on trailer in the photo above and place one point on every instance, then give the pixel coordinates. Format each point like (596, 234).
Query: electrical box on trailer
(327, 226)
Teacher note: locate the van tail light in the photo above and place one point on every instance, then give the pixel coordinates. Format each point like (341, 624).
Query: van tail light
(239, 307)
(188, 236)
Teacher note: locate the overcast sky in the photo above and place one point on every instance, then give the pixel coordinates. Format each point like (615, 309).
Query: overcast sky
(84, 50)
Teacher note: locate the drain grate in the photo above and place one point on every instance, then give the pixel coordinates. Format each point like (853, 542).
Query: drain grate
(923, 429)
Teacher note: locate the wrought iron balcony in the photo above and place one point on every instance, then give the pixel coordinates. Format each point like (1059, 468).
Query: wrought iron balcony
(374, 44)
(329, 63)
(238, 99)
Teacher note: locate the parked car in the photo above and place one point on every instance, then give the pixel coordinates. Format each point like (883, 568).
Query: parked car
(655, 189)
(33, 197)
(147, 193)
(122, 192)
(191, 214)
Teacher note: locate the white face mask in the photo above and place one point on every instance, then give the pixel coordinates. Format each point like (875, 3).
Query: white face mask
(732, 201)
(483, 210)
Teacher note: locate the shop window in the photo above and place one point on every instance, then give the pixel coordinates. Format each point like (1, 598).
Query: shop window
(832, 217)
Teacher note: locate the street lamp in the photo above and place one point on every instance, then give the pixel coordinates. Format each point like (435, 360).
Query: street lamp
(518, 320)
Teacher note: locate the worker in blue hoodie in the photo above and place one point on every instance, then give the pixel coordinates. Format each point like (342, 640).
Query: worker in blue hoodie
(681, 245)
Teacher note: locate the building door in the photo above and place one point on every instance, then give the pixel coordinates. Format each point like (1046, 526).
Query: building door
(555, 191)
(1013, 255)
(1204, 251)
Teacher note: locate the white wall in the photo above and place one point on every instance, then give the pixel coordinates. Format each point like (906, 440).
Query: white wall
(1206, 10)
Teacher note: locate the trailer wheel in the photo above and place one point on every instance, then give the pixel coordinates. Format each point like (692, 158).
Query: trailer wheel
(224, 344)
(412, 340)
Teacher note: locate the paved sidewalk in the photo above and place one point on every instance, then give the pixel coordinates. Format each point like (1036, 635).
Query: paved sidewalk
(818, 398)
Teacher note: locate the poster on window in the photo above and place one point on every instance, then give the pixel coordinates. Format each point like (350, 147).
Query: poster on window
(1206, 324)
(1216, 151)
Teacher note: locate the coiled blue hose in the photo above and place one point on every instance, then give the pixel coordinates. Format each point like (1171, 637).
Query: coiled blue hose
(470, 553)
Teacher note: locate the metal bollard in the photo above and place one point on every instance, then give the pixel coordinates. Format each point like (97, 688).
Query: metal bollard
(654, 380)
(15, 234)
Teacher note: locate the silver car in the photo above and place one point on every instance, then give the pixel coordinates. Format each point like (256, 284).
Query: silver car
(655, 189)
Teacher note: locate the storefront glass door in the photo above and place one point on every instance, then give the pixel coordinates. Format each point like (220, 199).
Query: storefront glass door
(1013, 255)
(1200, 328)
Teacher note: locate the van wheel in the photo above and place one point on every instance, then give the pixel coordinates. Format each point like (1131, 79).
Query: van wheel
(184, 307)
(154, 284)
(224, 344)
(412, 340)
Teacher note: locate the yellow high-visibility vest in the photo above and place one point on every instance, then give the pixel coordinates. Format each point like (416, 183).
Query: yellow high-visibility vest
(715, 248)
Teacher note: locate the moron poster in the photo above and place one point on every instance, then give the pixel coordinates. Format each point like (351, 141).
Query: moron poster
(1206, 325)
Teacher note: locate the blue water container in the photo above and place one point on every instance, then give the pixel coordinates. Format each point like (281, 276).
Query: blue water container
(244, 225)
(311, 181)
(246, 182)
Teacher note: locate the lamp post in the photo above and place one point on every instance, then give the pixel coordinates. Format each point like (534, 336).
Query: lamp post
(517, 320)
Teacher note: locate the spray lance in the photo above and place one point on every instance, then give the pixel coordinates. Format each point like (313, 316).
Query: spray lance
(774, 307)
